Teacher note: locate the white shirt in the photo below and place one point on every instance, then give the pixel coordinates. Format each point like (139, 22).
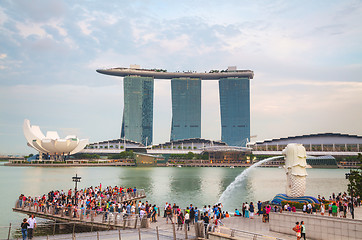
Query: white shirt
(31, 222)
(142, 213)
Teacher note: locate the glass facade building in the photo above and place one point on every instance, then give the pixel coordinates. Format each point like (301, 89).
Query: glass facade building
(186, 108)
(235, 110)
(137, 122)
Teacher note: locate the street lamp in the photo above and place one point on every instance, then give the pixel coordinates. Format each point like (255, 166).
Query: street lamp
(76, 180)
(350, 188)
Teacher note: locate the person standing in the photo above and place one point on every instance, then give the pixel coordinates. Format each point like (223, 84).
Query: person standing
(251, 210)
(168, 212)
(206, 220)
(192, 214)
(259, 208)
(187, 221)
(330, 208)
(334, 210)
(340, 207)
(302, 230)
(268, 209)
(24, 228)
(309, 208)
(246, 210)
(180, 220)
(196, 214)
(296, 229)
(164, 213)
(32, 225)
(322, 209)
(314, 209)
(243, 209)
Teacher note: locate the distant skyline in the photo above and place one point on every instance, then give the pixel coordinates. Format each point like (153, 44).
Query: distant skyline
(306, 57)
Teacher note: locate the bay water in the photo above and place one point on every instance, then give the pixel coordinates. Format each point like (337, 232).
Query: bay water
(199, 186)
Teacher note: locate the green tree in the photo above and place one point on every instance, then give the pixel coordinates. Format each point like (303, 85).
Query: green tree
(355, 179)
(85, 156)
(122, 155)
(190, 155)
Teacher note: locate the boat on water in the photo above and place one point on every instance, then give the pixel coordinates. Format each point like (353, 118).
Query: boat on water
(179, 166)
(232, 167)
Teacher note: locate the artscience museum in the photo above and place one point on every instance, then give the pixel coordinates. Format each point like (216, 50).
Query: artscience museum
(51, 144)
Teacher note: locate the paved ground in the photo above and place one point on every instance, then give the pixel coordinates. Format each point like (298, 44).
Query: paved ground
(166, 231)
(244, 227)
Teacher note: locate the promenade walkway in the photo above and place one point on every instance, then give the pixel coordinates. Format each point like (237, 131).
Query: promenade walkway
(239, 227)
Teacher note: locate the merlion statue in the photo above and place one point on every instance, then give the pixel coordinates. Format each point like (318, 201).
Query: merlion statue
(295, 167)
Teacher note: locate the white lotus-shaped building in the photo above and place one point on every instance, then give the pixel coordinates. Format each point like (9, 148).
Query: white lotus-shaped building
(52, 144)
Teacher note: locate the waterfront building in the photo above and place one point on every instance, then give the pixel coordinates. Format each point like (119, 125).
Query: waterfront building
(51, 145)
(235, 110)
(114, 146)
(137, 122)
(186, 108)
(319, 142)
(147, 160)
(189, 144)
(186, 103)
(225, 154)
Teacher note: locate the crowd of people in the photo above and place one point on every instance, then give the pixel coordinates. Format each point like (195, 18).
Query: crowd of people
(338, 205)
(108, 199)
(93, 200)
(250, 210)
(192, 215)
(111, 200)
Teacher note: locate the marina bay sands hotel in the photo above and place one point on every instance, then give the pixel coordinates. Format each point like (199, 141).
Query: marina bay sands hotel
(234, 90)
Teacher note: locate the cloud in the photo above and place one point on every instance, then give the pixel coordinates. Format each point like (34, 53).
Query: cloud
(305, 107)
(40, 10)
(3, 16)
(308, 69)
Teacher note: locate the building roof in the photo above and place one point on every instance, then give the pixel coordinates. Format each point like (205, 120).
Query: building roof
(226, 149)
(317, 138)
(191, 140)
(162, 74)
(116, 141)
(150, 155)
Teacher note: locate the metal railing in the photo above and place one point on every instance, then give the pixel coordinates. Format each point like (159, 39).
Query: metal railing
(114, 234)
(120, 197)
(232, 232)
(49, 232)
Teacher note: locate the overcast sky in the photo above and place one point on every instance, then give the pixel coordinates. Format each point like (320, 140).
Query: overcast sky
(306, 57)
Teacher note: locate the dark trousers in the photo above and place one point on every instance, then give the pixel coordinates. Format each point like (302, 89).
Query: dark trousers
(206, 224)
(303, 236)
(30, 233)
(187, 224)
(24, 233)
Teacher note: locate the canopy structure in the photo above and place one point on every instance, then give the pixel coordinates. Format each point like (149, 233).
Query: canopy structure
(52, 144)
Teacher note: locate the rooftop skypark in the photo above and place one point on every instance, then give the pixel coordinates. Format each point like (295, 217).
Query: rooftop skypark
(163, 74)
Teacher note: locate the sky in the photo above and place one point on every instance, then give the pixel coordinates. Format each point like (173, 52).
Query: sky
(306, 57)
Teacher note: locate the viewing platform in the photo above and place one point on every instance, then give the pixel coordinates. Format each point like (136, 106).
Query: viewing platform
(163, 74)
(85, 217)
